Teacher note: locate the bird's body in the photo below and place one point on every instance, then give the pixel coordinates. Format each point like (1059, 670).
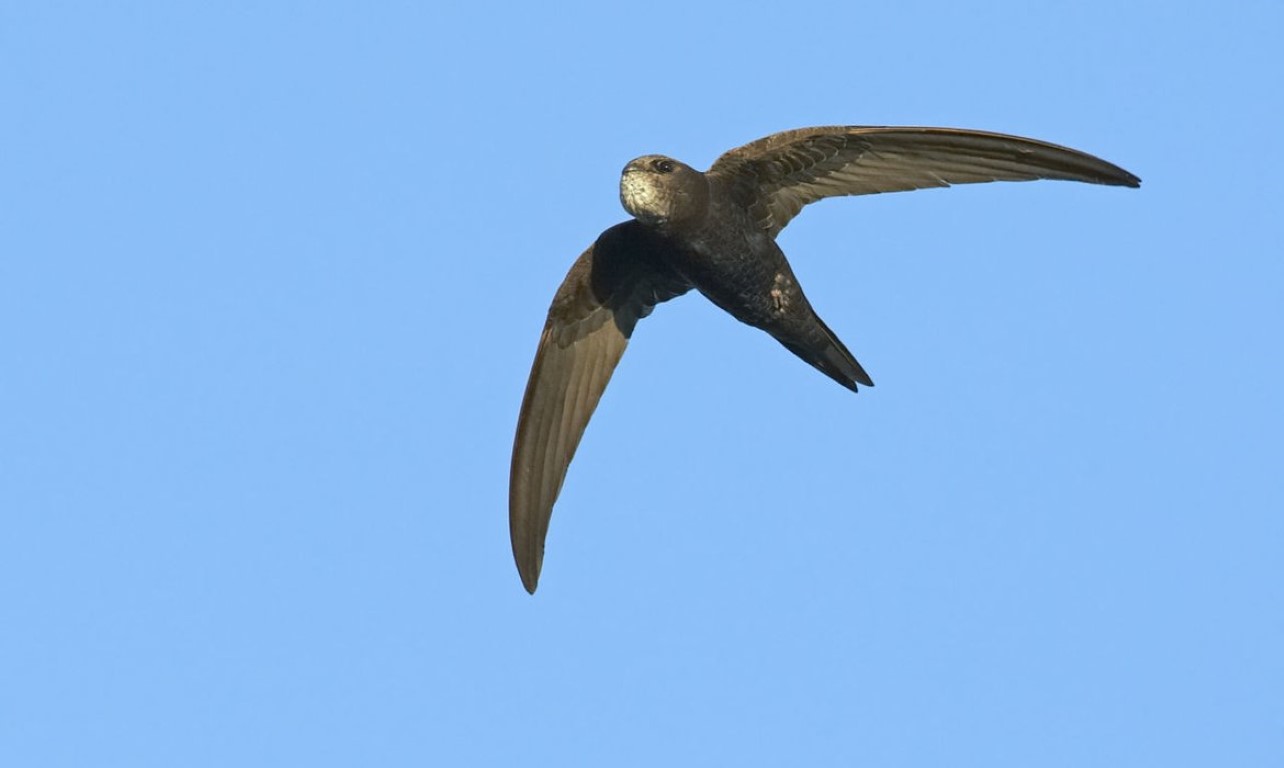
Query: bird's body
(716, 232)
(735, 263)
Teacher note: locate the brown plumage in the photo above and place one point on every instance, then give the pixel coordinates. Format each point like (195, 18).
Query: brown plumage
(715, 232)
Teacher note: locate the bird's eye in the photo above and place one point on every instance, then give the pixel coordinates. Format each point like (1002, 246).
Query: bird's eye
(663, 166)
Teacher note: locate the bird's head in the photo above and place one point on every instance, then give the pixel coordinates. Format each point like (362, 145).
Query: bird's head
(661, 191)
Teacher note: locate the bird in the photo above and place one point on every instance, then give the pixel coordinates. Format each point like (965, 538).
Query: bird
(715, 232)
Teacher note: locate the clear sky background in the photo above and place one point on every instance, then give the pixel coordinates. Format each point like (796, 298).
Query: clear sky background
(271, 280)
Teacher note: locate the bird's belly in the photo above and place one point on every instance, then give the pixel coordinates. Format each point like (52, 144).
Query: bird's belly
(753, 286)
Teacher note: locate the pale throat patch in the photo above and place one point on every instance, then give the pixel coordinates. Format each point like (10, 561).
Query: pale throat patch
(641, 197)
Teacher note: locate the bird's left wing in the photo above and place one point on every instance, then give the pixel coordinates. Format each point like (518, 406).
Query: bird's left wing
(774, 177)
(617, 281)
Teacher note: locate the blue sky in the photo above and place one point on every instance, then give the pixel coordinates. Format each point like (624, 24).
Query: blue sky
(271, 280)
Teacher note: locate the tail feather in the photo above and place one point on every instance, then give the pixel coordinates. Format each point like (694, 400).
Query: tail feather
(826, 353)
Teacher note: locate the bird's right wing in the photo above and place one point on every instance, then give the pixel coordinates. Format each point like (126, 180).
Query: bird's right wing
(774, 177)
(617, 281)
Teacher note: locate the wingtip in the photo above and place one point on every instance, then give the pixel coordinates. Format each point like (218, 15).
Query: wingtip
(1123, 178)
(528, 570)
(1126, 179)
